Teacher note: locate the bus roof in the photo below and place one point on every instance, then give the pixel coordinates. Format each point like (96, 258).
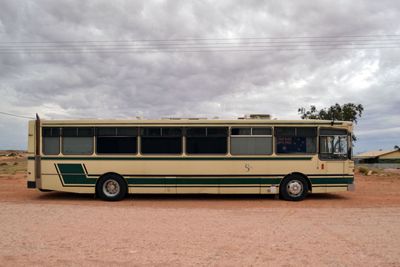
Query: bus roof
(194, 122)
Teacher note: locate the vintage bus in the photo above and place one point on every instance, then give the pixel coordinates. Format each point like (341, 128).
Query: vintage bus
(111, 158)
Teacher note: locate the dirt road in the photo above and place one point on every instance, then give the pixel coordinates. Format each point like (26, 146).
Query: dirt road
(347, 229)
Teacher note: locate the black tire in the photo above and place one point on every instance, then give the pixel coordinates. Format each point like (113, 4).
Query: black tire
(111, 187)
(293, 188)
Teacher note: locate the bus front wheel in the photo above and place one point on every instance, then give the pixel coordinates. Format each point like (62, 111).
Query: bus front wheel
(111, 187)
(294, 188)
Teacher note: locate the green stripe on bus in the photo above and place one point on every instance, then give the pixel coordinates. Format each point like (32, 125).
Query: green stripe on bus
(207, 180)
(74, 174)
(170, 158)
(332, 180)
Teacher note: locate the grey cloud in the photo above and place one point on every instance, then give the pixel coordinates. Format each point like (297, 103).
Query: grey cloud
(230, 84)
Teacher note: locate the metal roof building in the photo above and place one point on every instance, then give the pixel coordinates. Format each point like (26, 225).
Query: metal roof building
(380, 156)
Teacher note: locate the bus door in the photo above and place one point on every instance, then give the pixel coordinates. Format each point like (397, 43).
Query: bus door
(333, 150)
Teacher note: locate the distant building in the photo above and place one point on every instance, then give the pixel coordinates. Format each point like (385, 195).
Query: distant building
(381, 156)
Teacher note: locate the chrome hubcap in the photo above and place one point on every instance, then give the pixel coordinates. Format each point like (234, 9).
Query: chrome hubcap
(111, 188)
(294, 188)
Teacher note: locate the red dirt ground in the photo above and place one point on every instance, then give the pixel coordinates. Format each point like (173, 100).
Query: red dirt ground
(371, 191)
(344, 229)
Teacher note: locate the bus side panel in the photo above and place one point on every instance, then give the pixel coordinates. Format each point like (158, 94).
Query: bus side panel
(179, 175)
(239, 190)
(31, 153)
(51, 182)
(147, 190)
(349, 167)
(31, 173)
(53, 179)
(327, 189)
(197, 190)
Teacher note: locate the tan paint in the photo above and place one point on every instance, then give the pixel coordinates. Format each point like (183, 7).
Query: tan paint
(31, 151)
(52, 182)
(391, 155)
(191, 167)
(50, 179)
(248, 122)
(329, 189)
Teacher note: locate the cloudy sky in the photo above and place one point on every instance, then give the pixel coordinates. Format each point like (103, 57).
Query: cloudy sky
(122, 59)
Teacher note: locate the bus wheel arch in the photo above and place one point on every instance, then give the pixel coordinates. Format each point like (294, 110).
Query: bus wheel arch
(111, 186)
(294, 186)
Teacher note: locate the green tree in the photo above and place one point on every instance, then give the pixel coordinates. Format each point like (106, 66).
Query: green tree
(397, 147)
(346, 112)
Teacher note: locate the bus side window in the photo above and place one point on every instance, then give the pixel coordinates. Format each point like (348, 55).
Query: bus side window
(116, 140)
(51, 140)
(296, 140)
(207, 140)
(164, 140)
(251, 141)
(77, 140)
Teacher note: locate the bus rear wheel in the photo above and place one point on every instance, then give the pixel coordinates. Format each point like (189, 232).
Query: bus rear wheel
(111, 187)
(293, 188)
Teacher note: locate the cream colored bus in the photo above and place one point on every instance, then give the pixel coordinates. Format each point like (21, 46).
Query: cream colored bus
(111, 158)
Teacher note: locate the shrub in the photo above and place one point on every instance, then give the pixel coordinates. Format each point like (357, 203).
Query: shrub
(363, 170)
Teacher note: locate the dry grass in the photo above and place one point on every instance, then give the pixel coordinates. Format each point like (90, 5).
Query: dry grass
(12, 163)
(13, 168)
(378, 172)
